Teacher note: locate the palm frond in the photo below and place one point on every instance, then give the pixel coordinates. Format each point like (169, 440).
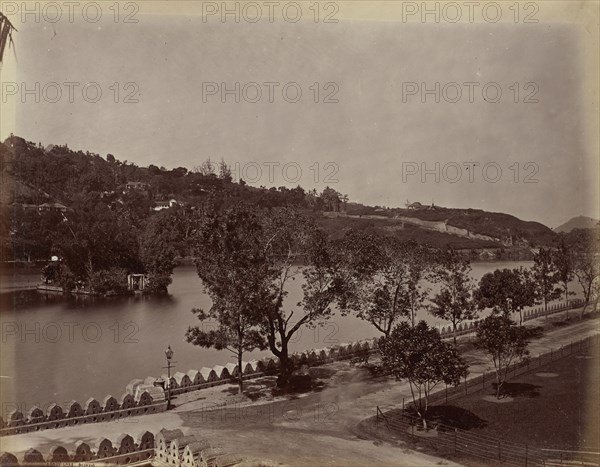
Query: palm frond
(6, 30)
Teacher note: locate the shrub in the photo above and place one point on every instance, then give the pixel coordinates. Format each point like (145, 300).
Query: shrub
(66, 279)
(112, 280)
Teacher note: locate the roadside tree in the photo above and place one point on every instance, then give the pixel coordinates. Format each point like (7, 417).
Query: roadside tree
(231, 262)
(506, 291)
(586, 262)
(562, 257)
(418, 354)
(503, 342)
(454, 302)
(546, 276)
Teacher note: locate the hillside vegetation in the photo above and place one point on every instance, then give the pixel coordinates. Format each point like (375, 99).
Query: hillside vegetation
(96, 194)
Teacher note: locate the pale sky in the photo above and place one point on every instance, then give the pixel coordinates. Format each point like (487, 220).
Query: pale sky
(371, 135)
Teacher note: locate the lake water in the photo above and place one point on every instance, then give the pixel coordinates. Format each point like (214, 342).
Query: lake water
(56, 349)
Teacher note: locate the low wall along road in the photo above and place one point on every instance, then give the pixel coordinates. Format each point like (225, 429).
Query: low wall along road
(148, 396)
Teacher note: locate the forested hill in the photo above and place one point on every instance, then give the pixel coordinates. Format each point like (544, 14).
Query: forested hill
(43, 186)
(58, 174)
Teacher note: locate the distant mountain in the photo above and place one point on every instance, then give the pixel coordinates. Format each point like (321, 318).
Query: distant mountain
(579, 222)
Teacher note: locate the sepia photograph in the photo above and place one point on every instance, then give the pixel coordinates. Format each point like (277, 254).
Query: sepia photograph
(299, 233)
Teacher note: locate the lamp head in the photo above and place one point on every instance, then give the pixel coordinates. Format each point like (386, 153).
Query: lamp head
(169, 353)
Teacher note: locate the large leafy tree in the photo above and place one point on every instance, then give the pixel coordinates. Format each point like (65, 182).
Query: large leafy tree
(247, 257)
(562, 257)
(418, 354)
(158, 249)
(166, 236)
(418, 261)
(375, 283)
(546, 276)
(30, 233)
(503, 342)
(292, 239)
(454, 302)
(586, 264)
(385, 278)
(93, 238)
(233, 266)
(332, 200)
(506, 291)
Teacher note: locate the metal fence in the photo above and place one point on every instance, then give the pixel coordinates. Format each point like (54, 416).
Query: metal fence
(450, 440)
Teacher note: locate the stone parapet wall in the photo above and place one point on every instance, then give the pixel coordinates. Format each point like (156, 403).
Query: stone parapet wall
(225, 374)
(73, 414)
(118, 451)
(167, 447)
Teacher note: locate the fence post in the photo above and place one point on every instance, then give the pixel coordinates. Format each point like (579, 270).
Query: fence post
(466, 384)
(483, 380)
(403, 406)
(446, 393)
(455, 441)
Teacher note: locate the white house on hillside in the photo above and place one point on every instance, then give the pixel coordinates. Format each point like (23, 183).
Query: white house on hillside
(160, 205)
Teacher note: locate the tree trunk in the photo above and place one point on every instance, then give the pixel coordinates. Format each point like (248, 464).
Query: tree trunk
(240, 374)
(498, 385)
(583, 309)
(454, 332)
(285, 367)
(423, 410)
(520, 317)
(587, 293)
(285, 370)
(420, 414)
(567, 298)
(240, 353)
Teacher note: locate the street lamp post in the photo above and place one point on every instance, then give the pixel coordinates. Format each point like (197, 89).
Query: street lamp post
(170, 364)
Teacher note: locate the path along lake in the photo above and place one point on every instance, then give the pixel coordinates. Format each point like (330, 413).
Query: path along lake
(56, 349)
